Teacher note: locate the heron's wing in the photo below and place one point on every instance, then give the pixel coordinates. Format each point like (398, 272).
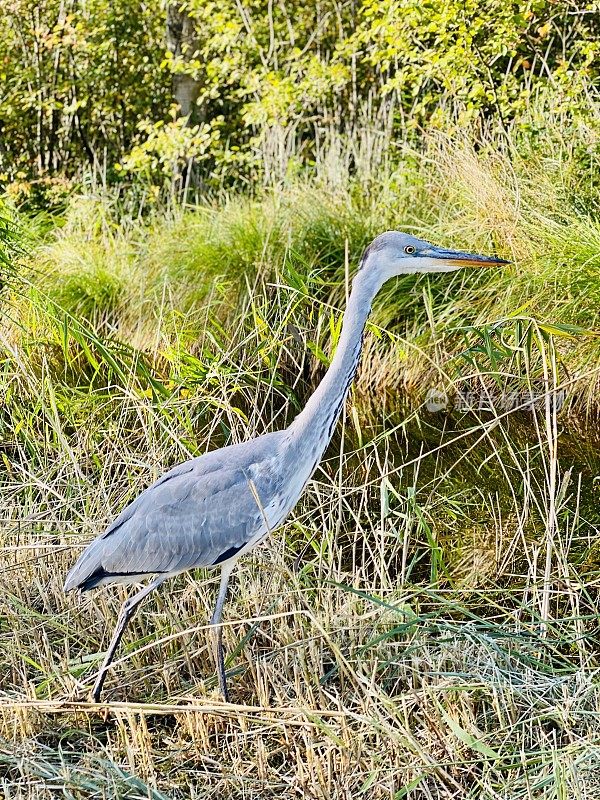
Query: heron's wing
(186, 521)
(199, 514)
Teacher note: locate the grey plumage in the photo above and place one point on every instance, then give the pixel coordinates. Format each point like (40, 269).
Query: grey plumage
(190, 517)
(211, 510)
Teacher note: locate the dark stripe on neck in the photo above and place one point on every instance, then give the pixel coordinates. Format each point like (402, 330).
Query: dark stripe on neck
(331, 420)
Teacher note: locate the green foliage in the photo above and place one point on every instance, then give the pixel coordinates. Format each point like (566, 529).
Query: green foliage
(76, 79)
(166, 148)
(441, 57)
(277, 80)
(88, 85)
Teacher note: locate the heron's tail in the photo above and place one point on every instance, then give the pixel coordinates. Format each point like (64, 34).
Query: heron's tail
(86, 571)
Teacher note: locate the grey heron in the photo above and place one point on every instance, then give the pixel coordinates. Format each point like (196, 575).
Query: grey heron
(211, 510)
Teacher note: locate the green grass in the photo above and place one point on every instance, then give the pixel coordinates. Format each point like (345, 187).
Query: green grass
(425, 625)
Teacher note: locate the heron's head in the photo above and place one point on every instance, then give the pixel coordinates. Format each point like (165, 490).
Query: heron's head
(394, 253)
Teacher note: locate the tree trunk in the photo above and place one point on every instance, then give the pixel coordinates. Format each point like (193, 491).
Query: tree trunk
(183, 43)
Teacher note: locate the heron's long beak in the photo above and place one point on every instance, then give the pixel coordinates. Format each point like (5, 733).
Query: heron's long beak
(458, 259)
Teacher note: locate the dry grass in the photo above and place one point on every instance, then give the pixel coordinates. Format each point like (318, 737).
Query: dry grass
(386, 644)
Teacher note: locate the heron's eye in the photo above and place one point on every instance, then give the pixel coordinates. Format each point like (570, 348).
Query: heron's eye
(410, 249)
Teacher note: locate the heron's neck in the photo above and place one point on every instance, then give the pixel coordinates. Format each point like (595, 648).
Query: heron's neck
(314, 426)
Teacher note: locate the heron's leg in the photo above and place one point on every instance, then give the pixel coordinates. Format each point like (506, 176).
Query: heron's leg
(128, 609)
(216, 621)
